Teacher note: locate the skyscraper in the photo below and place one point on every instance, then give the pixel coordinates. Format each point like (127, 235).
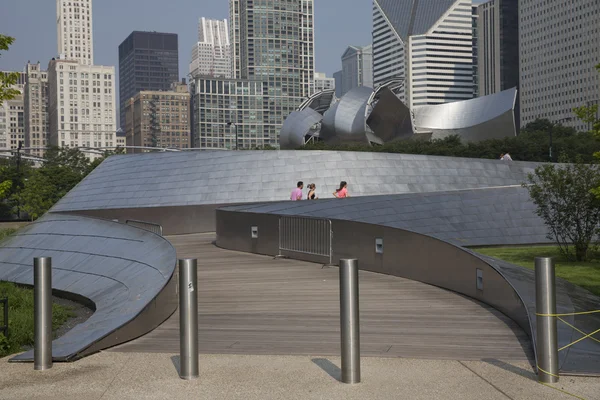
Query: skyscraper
(147, 61)
(81, 105)
(12, 116)
(273, 59)
(81, 95)
(74, 30)
(36, 109)
(211, 56)
(558, 49)
(497, 41)
(427, 43)
(357, 68)
(159, 119)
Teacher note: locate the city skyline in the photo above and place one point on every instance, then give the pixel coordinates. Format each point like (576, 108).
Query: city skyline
(331, 39)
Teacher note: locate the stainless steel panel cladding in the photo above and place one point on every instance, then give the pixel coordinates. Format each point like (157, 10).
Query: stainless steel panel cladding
(349, 321)
(346, 120)
(152, 180)
(117, 268)
(42, 311)
(390, 118)
(188, 319)
(545, 306)
(296, 126)
(487, 117)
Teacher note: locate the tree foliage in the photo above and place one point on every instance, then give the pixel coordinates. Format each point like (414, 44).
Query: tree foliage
(35, 190)
(565, 201)
(7, 92)
(532, 144)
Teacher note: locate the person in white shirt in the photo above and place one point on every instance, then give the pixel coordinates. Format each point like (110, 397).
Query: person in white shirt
(507, 157)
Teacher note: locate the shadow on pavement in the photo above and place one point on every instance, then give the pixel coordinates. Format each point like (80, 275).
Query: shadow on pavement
(177, 364)
(511, 368)
(328, 367)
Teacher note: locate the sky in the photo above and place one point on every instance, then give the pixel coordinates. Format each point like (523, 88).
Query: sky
(338, 24)
(33, 24)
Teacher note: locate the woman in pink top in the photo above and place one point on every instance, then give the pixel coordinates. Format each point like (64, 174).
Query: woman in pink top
(342, 191)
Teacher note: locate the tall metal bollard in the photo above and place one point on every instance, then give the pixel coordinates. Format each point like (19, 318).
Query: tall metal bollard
(349, 321)
(42, 312)
(188, 318)
(545, 303)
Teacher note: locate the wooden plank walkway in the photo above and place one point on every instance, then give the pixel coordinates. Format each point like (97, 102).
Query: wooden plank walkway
(250, 304)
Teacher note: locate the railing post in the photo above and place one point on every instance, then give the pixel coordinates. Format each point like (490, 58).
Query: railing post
(349, 321)
(42, 312)
(545, 306)
(188, 318)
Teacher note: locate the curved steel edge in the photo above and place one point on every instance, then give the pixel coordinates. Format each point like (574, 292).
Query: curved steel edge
(506, 287)
(129, 314)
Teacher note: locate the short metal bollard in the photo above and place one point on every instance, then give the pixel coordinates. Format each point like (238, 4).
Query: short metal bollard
(349, 321)
(545, 306)
(42, 311)
(188, 319)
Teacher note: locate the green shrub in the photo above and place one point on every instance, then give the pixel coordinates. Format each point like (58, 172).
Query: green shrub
(20, 318)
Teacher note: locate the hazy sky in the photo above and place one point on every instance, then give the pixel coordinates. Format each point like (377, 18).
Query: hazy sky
(338, 23)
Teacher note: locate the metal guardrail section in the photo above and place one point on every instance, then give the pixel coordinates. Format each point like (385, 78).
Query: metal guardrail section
(149, 226)
(306, 235)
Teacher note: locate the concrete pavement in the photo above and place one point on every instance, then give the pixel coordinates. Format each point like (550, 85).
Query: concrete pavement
(109, 375)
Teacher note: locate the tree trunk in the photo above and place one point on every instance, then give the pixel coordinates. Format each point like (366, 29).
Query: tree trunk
(581, 252)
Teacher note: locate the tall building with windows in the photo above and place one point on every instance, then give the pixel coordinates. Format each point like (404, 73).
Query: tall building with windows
(12, 116)
(357, 68)
(75, 31)
(81, 104)
(147, 61)
(36, 109)
(558, 49)
(231, 113)
(273, 43)
(429, 44)
(497, 40)
(211, 55)
(159, 119)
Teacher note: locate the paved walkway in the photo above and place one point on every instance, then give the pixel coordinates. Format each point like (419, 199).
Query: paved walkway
(136, 376)
(250, 304)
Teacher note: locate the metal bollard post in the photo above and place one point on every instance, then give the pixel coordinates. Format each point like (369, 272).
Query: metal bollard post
(42, 312)
(188, 318)
(545, 303)
(349, 321)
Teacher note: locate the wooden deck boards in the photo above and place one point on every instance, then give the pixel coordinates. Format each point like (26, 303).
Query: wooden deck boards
(251, 304)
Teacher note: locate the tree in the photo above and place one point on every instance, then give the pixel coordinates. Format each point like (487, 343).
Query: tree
(565, 201)
(7, 92)
(589, 113)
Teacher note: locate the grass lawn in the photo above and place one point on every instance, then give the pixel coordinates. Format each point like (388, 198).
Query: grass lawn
(20, 313)
(584, 274)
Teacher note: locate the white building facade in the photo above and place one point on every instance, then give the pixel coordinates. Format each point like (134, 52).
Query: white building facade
(74, 30)
(429, 45)
(81, 105)
(12, 117)
(559, 48)
(322, 82)
(211, 55)
(81, 95)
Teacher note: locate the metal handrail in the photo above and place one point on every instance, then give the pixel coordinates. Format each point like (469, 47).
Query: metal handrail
(306, 235)
(148, 226)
